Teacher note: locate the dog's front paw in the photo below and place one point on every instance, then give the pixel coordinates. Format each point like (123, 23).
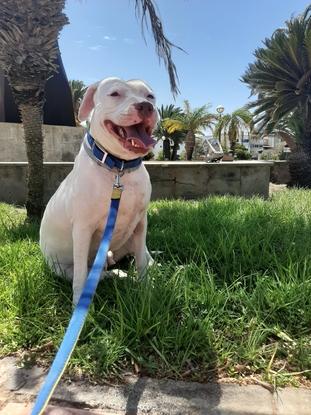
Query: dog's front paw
(151, 261)
(76, 296)
(110, 260)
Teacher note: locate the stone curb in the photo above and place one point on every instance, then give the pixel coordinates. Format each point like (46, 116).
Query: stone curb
(142, 396)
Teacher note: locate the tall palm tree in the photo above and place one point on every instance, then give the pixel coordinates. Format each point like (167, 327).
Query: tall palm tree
(281, 79)
(167, 112)
(77, 92)
(233, 125)
(28, 51)
(192, 123)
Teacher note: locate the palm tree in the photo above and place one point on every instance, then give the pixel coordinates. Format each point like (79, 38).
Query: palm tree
(166, 112)
(233, 125)
(281, 79)
(28, 50)
(77, 92)
(191, 122)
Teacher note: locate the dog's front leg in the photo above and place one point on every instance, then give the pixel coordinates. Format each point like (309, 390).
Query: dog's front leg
(81, 245)
(143, 258)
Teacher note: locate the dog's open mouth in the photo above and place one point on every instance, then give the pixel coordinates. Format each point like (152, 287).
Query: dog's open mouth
(136, 137)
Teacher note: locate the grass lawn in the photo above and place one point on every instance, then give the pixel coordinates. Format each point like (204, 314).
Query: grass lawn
(231, 299)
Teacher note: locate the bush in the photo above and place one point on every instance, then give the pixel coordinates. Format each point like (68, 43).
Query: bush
(160, 156)
(241, 152)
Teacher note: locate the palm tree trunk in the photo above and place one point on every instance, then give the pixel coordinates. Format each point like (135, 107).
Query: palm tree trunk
(300, 168)
(300, 158)
(232, 146)
(166, 149)
(32, 122)
(189, 144)
(174, 151)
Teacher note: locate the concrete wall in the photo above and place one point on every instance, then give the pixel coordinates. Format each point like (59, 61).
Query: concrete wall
(60, 143)
(192, 180)
(170, 180)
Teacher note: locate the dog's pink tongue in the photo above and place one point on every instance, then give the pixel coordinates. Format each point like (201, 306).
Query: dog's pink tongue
(139, 135)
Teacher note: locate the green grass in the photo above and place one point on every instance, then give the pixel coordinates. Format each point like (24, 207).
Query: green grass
(232, 297)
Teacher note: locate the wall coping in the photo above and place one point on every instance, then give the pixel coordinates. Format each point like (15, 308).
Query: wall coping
(203, 163)
(20, 125)
(241, 163)
(280, 161)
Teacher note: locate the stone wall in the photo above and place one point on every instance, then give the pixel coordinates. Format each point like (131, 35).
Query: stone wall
(192, 180)
(170, 180)
(60, 143)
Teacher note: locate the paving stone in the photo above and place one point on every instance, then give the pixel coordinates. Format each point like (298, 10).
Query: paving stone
(21, 409)
(292, 401)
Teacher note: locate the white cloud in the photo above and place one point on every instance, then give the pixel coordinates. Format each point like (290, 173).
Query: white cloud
(106, 37)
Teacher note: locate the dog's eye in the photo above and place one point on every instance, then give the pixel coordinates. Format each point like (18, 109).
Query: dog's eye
(150, 96)
(115, 94)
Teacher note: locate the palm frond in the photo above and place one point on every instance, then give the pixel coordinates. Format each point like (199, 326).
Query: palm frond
(28, 40)
(173, 125)
(281, 74)
(162, 44)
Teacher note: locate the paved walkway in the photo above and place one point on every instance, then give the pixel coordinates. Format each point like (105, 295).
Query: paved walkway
(140, 396)
(22, 409)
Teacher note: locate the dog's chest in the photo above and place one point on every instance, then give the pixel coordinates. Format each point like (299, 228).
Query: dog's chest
(133, 205)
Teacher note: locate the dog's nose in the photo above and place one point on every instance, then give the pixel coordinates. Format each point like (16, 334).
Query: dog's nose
(144, 109)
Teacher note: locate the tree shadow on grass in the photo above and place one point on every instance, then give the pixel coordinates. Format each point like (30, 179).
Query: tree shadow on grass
(235, 236)
(26, 229)
(135, 393)
(153, 318)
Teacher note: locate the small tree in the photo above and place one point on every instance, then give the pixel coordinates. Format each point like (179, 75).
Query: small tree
(242, 153)
(232, 126)
(167, 112)
(191, 122)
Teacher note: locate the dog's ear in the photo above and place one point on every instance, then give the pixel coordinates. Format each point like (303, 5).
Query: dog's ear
(87, 103)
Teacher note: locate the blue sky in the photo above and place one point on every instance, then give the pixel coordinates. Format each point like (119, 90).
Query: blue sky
(104, 39)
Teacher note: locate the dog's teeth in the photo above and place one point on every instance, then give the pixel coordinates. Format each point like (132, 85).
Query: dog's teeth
(121, 132)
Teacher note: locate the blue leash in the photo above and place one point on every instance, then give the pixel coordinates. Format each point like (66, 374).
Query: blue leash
(79, 315)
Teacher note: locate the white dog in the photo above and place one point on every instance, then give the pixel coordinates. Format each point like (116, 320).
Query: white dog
(121, 116)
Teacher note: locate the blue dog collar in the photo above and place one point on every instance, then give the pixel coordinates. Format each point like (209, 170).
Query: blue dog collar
(105, 159)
